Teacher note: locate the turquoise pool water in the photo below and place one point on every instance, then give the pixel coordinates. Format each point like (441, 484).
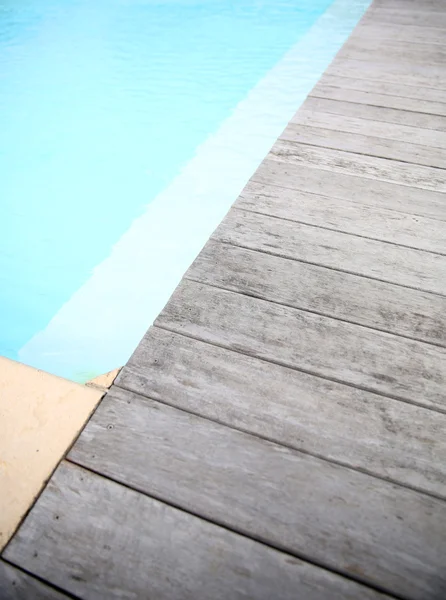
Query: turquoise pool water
(127, 127)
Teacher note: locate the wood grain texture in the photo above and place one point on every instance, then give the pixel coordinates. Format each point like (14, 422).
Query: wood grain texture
(404, 73)
(372, 360)
(365, 145)
(341, 251)
(370, 192)
(359, 300)
(345, 216)
(407, 16)
(430, 143)
(425, 5)
(358, 164)
(17, 585)
(123, 544)
(378, 113)
(382, 32)
(276, 494)
(398, 441)
(362, 47)
(395, 89)
(374, 98)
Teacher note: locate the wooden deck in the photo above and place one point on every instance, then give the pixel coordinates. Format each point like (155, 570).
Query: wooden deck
(280, 433)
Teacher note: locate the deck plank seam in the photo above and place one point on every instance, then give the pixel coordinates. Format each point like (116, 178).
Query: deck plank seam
(358, 235)
(379, 17)
(244, 533)
(300, 369)
(380, 92)
(307, 262)
(355, 202)
(398, 160)
(320, 96)
(326, 459)
(363, 118)
(388, 80)
(356, 37)
(313, 312)
(297, 122)
(387, 37)
(334, 164)
(419, 63)
(42, 580)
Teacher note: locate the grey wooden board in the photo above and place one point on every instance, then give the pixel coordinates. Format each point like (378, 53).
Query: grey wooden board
(331, 92)
(341, 251)
(345, 216)
(352, 188)
(404, 73)
(362, 47)
(398, 441)
(382, 306)
(17, 585)
(430, 95)
(289, 499)
(355, 164)
(433, 142)
(380, 362)
(412, 16)
(377, 113)
(425, 5)
(365, 144)
(103, 540)
(394, 32)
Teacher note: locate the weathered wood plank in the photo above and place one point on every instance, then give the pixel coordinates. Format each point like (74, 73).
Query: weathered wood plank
(341, 251)
(382, 306)
(402, 135)
(425, 5)
(365, 144)
(348, 353)
(329, 92)
(17, 585)
(430, 95)
(356, 164)
(123, 544)
(398, 441)
(377, 113)
(348, 187)
(345, 216)
(411, 16)
(363, 47)
(403, 73)
(272, 493)
(409, 33)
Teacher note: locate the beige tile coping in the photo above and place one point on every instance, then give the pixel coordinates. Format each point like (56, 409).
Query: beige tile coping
(40, 416)
(104, 381)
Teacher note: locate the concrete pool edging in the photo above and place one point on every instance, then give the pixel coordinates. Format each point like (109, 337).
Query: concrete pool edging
(41, 415)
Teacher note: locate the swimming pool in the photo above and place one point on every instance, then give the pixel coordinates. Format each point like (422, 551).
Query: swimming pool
(128, 127)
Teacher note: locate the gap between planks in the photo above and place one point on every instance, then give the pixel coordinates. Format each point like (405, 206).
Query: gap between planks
(227, 469)
(209, 567)
(272, 413)
(349, 217)
(231, 322)
(347, 187)
(423, 271)
(327, 292)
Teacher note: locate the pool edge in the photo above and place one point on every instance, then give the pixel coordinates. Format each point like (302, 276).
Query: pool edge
(41, 415)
